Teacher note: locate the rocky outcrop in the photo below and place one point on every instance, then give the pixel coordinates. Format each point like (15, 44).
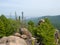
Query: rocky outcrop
(18, 39)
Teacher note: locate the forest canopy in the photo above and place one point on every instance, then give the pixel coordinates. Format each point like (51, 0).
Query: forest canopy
(8, 26)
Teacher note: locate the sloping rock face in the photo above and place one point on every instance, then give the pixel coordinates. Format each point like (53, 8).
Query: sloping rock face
(26, 32)
(12, 40)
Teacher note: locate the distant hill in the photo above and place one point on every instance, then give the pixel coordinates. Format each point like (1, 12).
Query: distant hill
(55, 20)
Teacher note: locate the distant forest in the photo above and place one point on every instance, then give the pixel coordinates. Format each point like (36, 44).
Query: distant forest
(55, 20)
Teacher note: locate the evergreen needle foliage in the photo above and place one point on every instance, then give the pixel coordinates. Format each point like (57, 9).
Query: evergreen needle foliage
(43, 32)
(8, 26)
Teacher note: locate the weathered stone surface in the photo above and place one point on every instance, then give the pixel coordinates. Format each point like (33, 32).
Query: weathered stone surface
(2, 44)
(12, 40)
(3, 40)
(17, 34)
(26, 32)
(24, 36)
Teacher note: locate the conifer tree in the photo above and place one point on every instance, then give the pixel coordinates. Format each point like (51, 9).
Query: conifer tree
(45, 33)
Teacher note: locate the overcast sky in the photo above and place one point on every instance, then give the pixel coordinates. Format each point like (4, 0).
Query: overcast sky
(31, 8)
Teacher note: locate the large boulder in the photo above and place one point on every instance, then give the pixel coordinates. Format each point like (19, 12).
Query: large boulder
(12, 40)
